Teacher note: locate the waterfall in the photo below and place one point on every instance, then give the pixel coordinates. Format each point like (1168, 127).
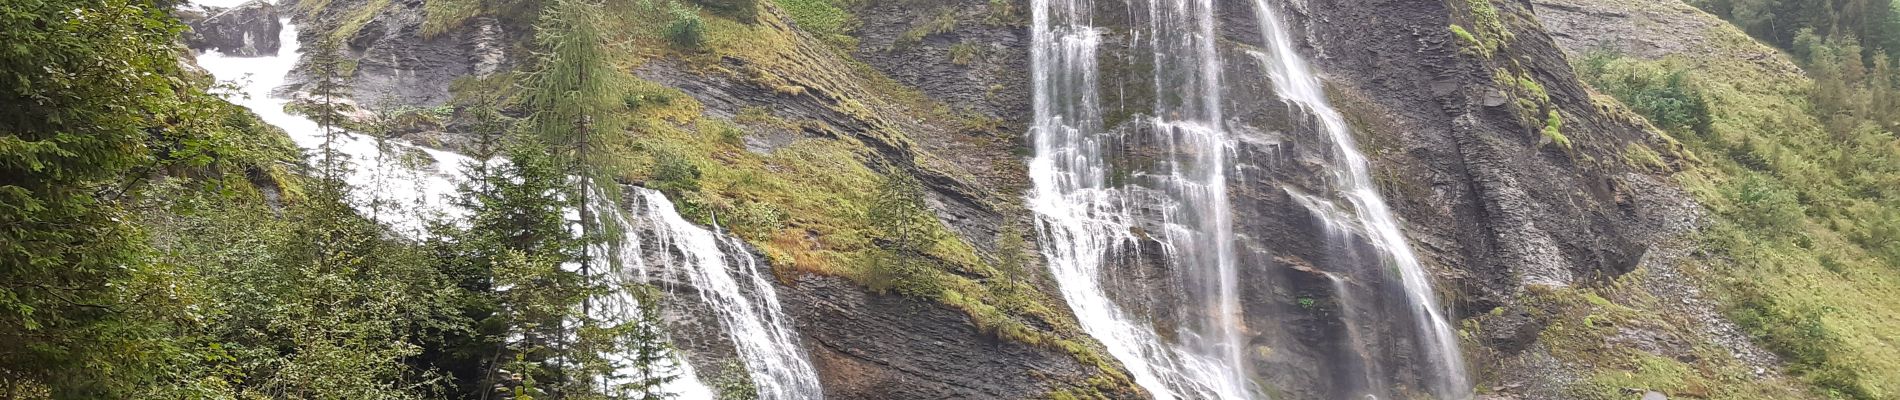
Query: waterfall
(1090, 217)
(1295, 82)
(420, 191)
(726, 278)
(716, 266)
(1084, 221)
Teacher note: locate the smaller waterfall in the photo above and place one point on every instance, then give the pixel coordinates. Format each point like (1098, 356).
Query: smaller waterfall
(1296, 83)
(715, 266)
(726, 278)
(417, 191)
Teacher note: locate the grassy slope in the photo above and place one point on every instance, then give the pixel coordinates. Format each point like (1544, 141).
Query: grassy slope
(805, 204)
(1781, 255)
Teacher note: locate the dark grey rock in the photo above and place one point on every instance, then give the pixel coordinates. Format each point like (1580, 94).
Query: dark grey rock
(248, 30)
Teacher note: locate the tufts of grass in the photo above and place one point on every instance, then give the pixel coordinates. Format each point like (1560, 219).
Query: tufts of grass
(442, 16)
(826, 19)
(1554, 129)
(942, 21)
(1791, 202)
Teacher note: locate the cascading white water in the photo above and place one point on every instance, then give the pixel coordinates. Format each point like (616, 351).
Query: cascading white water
(1084, 221)
(741, 295)
(418, 192)
(1295, 82)
(727, 279)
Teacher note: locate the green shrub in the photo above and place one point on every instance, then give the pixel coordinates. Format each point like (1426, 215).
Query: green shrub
(944, 21)
(673, 174)
(963, 53)
(1662, 93)
(686, 31)
(1765, 204)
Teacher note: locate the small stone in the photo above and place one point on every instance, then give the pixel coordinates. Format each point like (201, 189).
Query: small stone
(1654, 395)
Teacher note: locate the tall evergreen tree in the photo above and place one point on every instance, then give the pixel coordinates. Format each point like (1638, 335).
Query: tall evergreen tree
(570, 98)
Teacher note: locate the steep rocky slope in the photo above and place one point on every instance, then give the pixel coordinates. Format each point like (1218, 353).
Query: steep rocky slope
(1510, 176)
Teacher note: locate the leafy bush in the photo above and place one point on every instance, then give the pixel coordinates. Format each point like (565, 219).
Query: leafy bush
(1764, 204)
(1661, 93)
(686, 31)
(673, 174)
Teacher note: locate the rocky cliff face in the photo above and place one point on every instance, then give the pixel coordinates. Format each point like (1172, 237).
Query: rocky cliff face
(1497, 208)
(248, 30)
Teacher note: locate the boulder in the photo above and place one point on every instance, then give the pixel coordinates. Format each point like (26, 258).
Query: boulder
(248, 30)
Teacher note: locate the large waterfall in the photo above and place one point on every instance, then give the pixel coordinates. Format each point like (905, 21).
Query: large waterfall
(1295, 82)
(1085, 221)
(1093, 211)
(716, 267)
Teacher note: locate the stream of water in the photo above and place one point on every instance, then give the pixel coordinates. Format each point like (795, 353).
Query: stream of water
(1087, 222)
(1295, 82)
(404, 195)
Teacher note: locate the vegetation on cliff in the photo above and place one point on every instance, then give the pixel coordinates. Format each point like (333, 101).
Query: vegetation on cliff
(1800, 171)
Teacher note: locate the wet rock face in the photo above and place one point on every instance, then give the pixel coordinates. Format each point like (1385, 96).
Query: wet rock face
(248, 30)
(398, 63)
(870, 346)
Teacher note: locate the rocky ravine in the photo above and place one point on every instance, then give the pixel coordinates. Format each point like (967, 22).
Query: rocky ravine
(247, 30)
(1492, 206)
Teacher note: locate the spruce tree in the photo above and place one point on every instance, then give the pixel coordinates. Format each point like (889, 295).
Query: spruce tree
(326, 87)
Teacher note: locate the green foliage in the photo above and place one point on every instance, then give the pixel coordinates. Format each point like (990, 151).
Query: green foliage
(942, 21)
(1490, 33)
(1661, 94)
(441, 16)
(1469, 42)
(826, 19)
(1798, 171)
(685, 31)
(1553, 129)
(674, 174)
(1764, 204)
(733, 383)
(94, 104)
(963, 53)
(906, 230)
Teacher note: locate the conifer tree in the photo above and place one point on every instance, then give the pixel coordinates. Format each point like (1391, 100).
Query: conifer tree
(326, 87)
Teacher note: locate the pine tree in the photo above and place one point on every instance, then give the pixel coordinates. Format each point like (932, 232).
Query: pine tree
(646, 344)
(569, 96)
(326, 87)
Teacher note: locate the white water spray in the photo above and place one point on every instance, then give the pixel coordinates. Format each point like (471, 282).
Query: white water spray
(1296, 83)
(743, 298)
(1084, 221)
(418, 191)
(727, 279)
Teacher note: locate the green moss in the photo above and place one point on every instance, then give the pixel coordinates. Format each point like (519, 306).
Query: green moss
(1490, 34)
(963, 53)
(357, 18)
(942, 21)
(1641, 157)
(826, 19)
(1470, 43)
(441, 16)
(1553, 129)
